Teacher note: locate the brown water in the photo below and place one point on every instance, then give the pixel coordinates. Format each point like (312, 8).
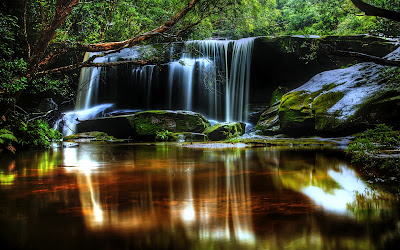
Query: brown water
(164, 196)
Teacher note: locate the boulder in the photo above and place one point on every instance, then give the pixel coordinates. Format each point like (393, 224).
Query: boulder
(225, 130)
(148, 123)
(268, 123)
(343, 101)
(145, 125)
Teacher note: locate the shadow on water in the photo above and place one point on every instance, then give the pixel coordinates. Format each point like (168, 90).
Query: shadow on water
(164, 196)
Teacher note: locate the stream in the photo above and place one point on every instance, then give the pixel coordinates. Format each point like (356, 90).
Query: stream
(157, 196)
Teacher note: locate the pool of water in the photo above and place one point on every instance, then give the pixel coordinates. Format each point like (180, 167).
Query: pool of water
(130, 196)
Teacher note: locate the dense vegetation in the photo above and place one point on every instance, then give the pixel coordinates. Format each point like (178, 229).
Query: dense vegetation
(40, 35)
(368, 147)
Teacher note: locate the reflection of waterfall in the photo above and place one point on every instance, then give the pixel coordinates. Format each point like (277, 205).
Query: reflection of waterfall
(222, 209)
(211, 77)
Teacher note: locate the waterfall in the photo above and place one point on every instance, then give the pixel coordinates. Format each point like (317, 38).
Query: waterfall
(211, 77)
(207, 72)
(237, 93)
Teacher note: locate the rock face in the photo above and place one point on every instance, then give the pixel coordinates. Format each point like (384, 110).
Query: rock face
(269, 120)
(225, 130)
(341, 101)
(145, 125)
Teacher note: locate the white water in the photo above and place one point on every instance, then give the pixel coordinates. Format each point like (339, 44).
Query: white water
(69, 120)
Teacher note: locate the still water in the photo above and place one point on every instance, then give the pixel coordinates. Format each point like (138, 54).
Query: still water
(128, 196)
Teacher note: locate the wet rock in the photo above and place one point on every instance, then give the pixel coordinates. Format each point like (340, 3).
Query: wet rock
(225, 130)
(146, 124)
(342, 101)
(268, 123)
(89, 136)
(189, 137)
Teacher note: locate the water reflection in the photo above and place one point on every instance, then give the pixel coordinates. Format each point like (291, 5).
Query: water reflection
(166, 196)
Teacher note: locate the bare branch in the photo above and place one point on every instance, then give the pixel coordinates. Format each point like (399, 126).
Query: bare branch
(363, 56)
(370, 10)
(91, 64)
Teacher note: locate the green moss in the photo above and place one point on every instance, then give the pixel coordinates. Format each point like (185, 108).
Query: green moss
(221, 131)
(190, 122)
(92, 136)
(276, 96)
(295, 100)
(145, 126)
(324, 102)
(71, 137)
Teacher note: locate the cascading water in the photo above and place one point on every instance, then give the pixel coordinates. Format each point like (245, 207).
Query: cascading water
(216, 82)
(211, 77)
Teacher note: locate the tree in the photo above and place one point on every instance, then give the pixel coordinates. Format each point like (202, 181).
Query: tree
(37, 54)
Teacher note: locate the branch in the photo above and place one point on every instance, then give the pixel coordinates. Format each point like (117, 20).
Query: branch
(370, 10)
(63, 10)
(90, 64)
(138, 39)
(363, 56)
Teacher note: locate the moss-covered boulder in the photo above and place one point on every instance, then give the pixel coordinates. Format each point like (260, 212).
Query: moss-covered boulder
(343, 101)
(146, 124)
(225, 130)
(268, 122)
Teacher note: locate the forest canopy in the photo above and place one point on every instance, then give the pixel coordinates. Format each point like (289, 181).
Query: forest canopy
(39, 37)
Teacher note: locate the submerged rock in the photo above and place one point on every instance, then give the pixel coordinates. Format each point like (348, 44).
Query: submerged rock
(225, 130)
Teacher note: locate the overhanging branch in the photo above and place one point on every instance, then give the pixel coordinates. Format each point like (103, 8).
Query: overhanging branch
(370, 10)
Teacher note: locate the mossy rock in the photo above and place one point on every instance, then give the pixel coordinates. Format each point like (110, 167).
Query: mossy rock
(295, 111)
(225, 130)
(277, 95)
(343, 101)
(90, 136)
(269, 121)
(148, 123)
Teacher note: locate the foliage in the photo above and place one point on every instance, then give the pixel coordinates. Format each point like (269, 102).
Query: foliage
(11, 65)
(164, 135)
(367, 146)
(7, 138)
(36, 134)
